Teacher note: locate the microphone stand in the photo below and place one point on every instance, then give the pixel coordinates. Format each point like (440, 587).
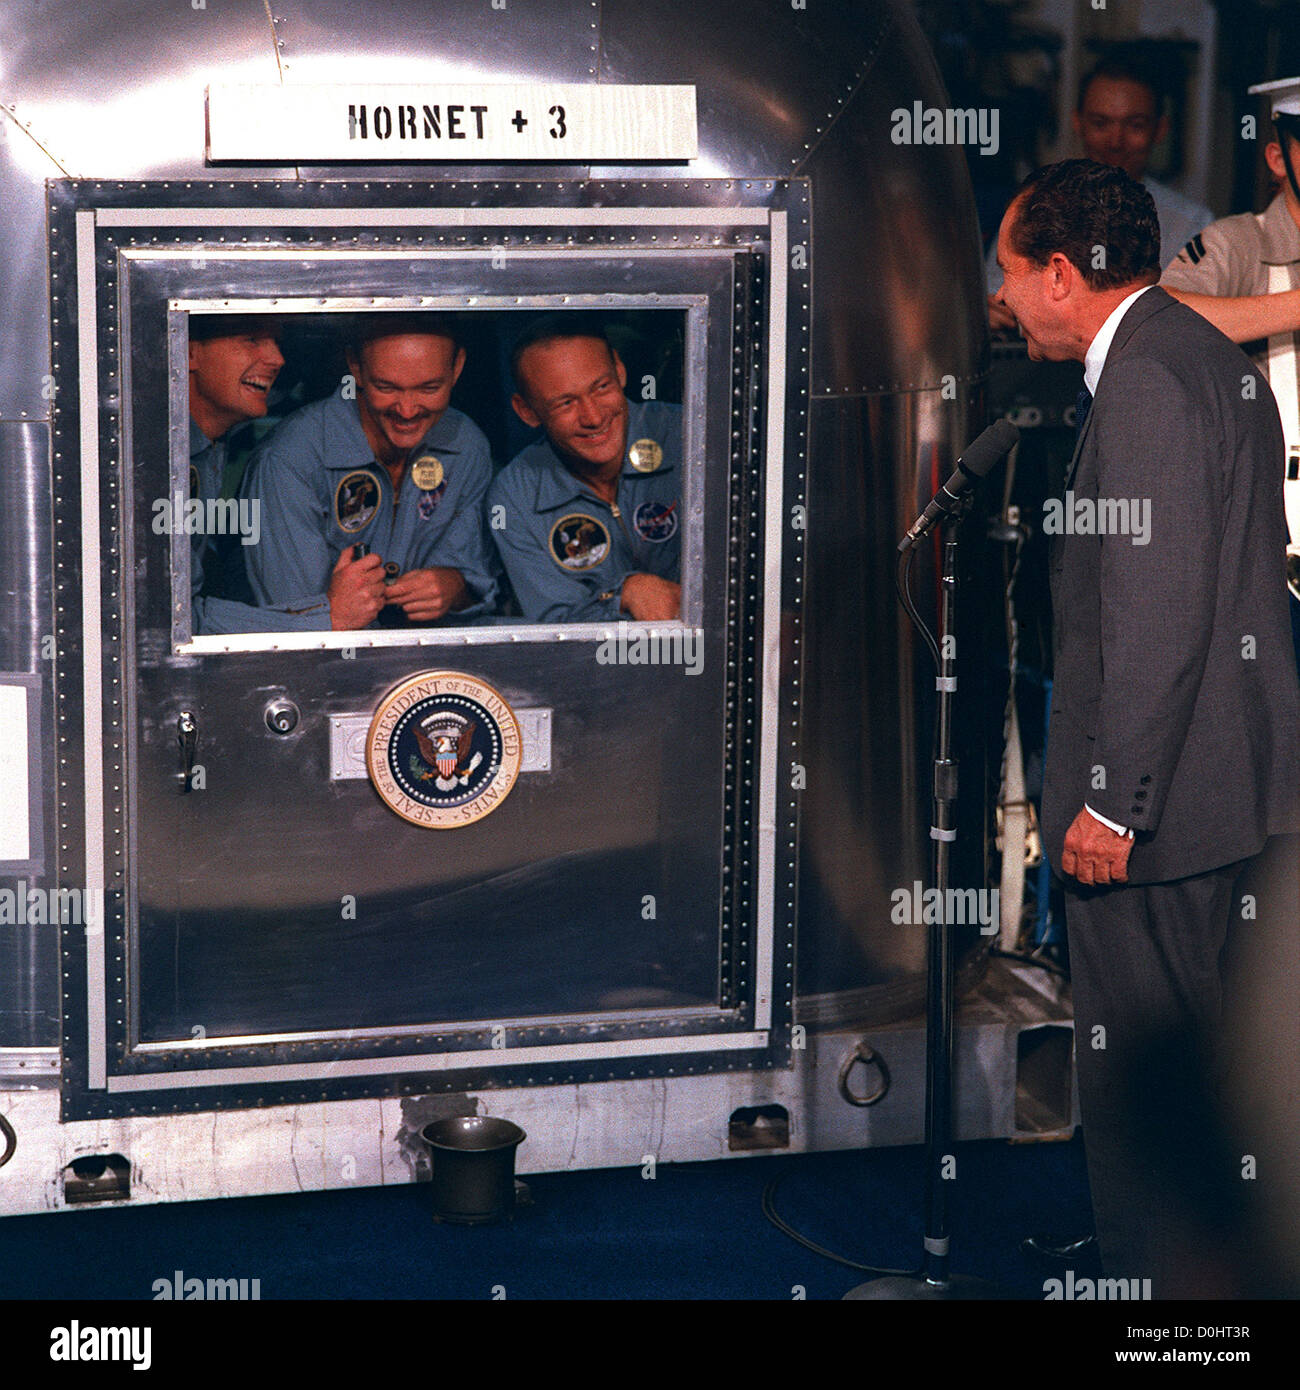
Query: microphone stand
(935, 1280)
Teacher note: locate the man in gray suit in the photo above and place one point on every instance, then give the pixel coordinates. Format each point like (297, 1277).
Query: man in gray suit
(1174, 746)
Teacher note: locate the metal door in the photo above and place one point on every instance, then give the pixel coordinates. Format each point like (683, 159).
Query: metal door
(278, 933)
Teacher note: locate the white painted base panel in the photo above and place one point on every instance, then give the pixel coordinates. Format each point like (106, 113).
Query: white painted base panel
(241, 1153)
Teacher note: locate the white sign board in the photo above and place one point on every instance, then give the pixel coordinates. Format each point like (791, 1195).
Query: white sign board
(480, 122)
(15, 787)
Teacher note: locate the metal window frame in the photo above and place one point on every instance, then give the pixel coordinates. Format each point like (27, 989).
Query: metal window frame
(695, 307)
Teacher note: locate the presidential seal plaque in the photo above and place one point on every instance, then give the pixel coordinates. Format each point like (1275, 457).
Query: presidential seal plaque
(443, 749)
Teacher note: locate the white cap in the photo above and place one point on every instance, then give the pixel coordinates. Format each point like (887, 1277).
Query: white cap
(1283, 95)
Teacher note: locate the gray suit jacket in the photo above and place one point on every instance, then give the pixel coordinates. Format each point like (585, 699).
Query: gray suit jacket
(1175, 707)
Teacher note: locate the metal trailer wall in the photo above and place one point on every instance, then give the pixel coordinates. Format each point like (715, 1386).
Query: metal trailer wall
(114, 92)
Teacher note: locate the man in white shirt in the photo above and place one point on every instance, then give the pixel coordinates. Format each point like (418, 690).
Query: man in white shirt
(1119, 118)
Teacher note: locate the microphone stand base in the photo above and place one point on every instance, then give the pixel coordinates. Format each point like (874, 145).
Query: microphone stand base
(907, 1288)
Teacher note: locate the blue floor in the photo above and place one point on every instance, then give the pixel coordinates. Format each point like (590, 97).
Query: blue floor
(693, 1231)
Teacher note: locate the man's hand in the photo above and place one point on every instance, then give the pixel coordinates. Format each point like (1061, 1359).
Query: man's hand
(1001, 319)
(1094, 853)
(356, 591)
(427, 595)
(650, 599)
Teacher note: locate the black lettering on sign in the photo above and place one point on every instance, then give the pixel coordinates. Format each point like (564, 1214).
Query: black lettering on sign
(559, 130)
(431, 122)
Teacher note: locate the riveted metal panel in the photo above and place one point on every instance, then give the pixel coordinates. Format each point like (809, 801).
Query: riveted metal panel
(29, 1006)
(771, 79)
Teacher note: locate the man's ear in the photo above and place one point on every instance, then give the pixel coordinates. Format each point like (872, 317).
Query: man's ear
(194, 357)
(619, 368)
(1273, 158)
(459, 366)
(525, 412)
(1063, 274)
(1162, 129)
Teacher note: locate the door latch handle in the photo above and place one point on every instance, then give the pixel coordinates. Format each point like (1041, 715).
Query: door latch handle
(187, 736)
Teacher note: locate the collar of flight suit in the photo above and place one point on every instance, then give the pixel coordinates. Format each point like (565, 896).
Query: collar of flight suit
(1279, 235)
(198, 440)
(558, 485)
(350, 449)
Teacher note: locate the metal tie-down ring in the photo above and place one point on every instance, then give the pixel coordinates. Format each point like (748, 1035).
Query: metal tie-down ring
(868, 1056)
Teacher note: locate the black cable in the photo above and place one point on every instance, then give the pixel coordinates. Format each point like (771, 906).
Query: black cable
(770, 1211)
(11, 1140)
(903, 583)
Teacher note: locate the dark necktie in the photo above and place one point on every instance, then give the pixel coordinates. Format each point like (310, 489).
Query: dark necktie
(1082, 404)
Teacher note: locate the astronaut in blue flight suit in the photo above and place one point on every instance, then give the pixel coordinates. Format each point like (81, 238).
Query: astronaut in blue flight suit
(397, 470)
(233, 363)
(588, 520)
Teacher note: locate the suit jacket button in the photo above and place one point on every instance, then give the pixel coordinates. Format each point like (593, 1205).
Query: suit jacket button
(1144, 780)
(1139, 795)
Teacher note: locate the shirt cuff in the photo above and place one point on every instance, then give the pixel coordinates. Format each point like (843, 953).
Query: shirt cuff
(1109, 824)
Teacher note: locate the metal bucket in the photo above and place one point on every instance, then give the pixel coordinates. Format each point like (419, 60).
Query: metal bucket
(473, 1160)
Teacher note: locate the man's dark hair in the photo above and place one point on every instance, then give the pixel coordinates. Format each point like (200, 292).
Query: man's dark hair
(1081, 208)
(373, 326)
(547, 328)
(1129, 63)
(203, 328)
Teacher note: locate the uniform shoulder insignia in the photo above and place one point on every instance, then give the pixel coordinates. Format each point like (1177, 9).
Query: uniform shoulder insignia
(1194, 249)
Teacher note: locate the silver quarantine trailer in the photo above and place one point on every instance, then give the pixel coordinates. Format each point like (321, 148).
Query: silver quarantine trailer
(245, 948)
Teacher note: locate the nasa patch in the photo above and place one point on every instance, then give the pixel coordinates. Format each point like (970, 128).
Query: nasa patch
(579, 542)
(655, 521)
(443, 750)
(356, 500)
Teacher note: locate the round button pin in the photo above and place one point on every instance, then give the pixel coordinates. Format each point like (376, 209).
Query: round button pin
(427, 472)
(645, 455)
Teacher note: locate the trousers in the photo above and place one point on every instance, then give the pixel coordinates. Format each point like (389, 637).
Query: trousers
(1147, 979)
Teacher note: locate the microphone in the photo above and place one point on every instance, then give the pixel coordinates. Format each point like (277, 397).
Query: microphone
(995, 443)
